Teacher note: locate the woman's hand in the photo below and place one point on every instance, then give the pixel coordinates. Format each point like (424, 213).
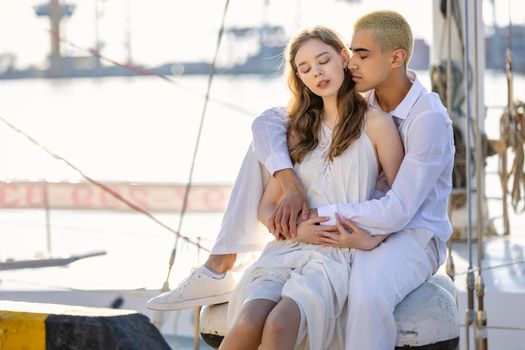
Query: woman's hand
(357, 238)
(310, 231)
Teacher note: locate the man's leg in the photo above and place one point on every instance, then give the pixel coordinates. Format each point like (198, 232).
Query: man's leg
(379, 280)
(240, 232)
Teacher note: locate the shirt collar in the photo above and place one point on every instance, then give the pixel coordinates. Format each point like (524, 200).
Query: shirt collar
(403, 109)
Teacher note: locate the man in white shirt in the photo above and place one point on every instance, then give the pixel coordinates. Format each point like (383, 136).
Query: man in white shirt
(413, 212)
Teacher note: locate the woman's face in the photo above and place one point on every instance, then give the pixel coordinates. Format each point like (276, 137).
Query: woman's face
(320, 67)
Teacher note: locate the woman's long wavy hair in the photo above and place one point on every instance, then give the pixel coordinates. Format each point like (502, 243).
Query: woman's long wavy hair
(305, 108)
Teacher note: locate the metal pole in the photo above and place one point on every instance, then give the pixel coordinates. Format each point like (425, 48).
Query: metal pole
(197, 309)
(47, 211)
(469, 316)
(128, 31)
(481, 317)
(98, 45)
(510, 108)
(450, 261)
(55, 17)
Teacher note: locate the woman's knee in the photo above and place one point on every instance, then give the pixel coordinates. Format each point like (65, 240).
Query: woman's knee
(284, 319)
(252, 319)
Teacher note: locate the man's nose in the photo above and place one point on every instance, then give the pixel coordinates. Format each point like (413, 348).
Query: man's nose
(351, 64)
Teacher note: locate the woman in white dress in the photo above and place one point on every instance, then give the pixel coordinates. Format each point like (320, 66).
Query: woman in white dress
(295, 294)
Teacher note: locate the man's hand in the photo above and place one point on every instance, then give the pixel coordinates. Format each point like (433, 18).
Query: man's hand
(294, 203)
(358, 238)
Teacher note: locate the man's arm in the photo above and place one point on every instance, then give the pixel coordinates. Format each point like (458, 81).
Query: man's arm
(269, 140)
(428, 152)
(271, 149)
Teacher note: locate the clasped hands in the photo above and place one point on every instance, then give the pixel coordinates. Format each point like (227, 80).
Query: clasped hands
(304, 225)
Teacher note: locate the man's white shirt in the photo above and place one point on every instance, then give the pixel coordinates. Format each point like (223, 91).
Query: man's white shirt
(419, 195)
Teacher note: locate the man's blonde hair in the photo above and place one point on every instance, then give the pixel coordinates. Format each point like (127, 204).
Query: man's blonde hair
(391, 31)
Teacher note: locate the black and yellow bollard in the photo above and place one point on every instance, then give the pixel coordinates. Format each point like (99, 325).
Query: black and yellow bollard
(38, 326)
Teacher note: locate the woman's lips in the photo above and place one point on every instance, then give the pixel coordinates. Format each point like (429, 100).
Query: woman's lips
(323, 83)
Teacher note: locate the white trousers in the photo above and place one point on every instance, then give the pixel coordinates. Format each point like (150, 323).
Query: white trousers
(241, 231)
(379, 278)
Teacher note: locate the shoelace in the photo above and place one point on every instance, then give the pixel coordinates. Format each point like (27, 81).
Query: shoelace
(186, 282)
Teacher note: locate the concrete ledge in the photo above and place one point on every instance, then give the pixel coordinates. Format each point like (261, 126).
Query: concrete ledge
(38, 326)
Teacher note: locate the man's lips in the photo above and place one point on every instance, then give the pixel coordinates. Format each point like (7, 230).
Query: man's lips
(323, 83)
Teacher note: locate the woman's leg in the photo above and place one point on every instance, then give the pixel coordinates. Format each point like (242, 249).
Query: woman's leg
(247, 331)
(282, 325)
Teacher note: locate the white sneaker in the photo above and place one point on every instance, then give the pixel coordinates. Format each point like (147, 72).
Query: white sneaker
(198, 289)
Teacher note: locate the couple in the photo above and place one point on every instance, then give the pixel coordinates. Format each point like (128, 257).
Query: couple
(345, 254)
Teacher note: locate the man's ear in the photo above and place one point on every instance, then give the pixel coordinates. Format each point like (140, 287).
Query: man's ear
(399, 57)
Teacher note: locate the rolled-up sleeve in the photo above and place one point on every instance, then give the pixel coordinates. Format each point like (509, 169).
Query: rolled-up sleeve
(428, 150)
(269, 139)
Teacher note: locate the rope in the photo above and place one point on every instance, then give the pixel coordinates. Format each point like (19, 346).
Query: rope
(100, 185)
(139, 70)
(503, 328)
(149, 72)
(492, 267)
(165, 286)
(512, 135)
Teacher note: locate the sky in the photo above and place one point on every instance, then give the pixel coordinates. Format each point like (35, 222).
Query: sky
(170, 30)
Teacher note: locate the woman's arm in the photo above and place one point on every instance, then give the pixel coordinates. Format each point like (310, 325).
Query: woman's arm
(308, 231)
(384, 136)
(271, 196)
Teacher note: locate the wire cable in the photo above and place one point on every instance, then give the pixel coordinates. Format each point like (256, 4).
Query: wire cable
(100, 185)
(165, 286)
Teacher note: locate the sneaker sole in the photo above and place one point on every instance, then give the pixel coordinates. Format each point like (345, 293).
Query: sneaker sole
(187, 304)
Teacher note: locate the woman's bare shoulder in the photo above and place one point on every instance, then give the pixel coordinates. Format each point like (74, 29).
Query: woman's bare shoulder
(376, 116)
(377, 123)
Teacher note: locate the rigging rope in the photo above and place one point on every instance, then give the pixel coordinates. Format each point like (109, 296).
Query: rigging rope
(512, 135)
(165, 286)
(149, 72)
(100, 185)
(492, 267)
(140, 70)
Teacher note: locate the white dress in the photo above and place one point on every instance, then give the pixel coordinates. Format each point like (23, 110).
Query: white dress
(315, 277)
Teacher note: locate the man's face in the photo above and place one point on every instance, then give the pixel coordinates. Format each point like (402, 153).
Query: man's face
(369, 66)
